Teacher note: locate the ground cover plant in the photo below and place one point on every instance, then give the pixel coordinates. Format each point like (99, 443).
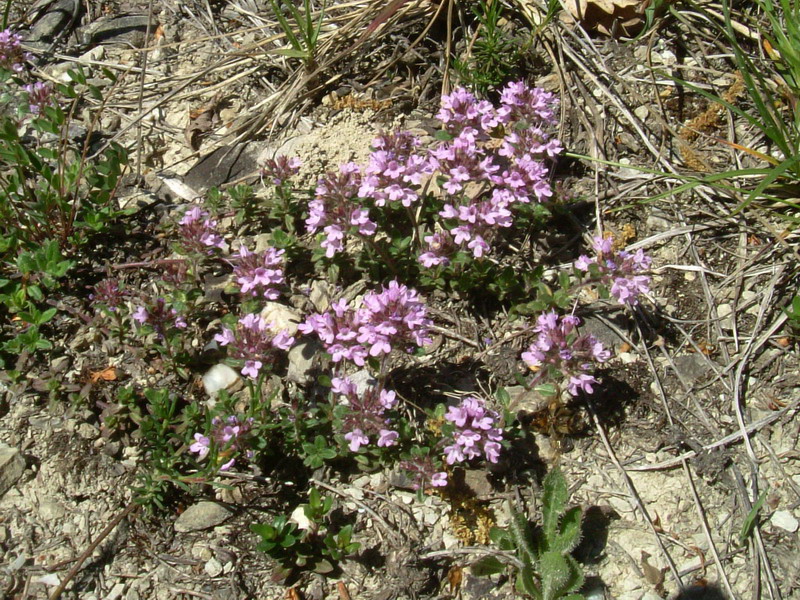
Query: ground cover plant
(414, 368)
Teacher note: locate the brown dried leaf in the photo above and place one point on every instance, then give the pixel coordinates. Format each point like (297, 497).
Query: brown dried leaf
(202, 121)
(107, 374)
(454, 577)
(609, 17)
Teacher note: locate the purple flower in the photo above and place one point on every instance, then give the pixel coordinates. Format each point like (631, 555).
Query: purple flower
(394, 171)
(11, 54)
(229, 436)
(335, 210)
(439, 479)
(281, 168)
(160, 317)
(387, 438)
(424, 472)
(198, 233)
(39, 96)
(259, 274)
(108, 294)
(356, 439)
(255, 342)
(559, 350)
(475, 432)
(365, 414)
(140, 315)
(622, 271)
(201, 445)
(390, 318)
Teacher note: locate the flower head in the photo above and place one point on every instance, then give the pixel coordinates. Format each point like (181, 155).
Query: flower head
(255, 342)
(623, 272)
(475, 432)
(559, 349)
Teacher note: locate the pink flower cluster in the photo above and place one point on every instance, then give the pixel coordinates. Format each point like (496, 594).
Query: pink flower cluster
(423, 472)
(334, 211)
(393, 317)
(494, 159)
(395, 171)
(255, 342)
(198, 232)
(259, 273)
(482, 185)
(560, 350)
(622, 271)
(365, 416)
(39, 96)
(230, 436)
(476, 433)
(281, 169)
(160, 317)
(11, 54)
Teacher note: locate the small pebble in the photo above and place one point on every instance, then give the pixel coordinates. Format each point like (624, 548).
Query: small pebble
(784, 520)
(213, 568)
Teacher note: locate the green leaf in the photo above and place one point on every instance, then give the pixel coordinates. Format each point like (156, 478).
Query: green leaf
(46, 316)
(554, 499)
(443, 136)
(560, 575)
(751, 518)
(487, 566)
(570, 533)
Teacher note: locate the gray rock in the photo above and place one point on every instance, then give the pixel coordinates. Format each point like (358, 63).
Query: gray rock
(12, 466)
(301, 361)
(693, 367)
(202, 515)
(128, 30)
(222, 166)
(54, 22)
(51, 510)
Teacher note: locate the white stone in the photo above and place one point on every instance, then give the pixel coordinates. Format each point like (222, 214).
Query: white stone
(116, 592)
(299, 517)
(280, 317)
(213, 568)
(725, 314)
(784, 520)
(12, 466)
(219, 377)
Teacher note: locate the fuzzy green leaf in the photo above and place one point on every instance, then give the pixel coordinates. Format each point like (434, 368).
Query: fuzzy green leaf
(560, 575)
(554, 500)
(487, 566)
(570, 532)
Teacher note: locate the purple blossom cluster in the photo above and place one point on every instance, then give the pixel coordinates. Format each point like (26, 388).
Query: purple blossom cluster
(393, 317)
(39, 95)
(560, 349)
(495, 158)
(334, 210)
(394, 172)
(424, 472)
(230, 436)
(259, 273)
(255, 342)
(365, 416)
(475, 432)
(160, 316)
(12, 56)
(622, 271)
(198, 232)
(108, 294)
(280, 169)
